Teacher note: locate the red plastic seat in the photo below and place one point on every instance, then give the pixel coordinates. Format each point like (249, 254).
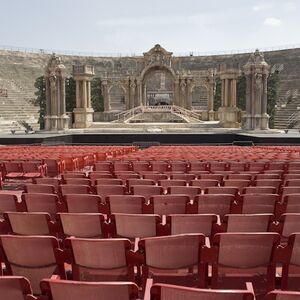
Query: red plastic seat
(199, 166)
(218, 177)
(8, 202)
(222, 190)
(282, 295)
(259, 190)
(99, 175)
(240, 184)
(216, 166)
(180, 166)
(32, 169)
(72, 175)
(121, 166)
(171, 182)
(240, 176)
(140, 166)
(15, 288)
(167, 204)
(291, 264)
(107, 190)
(13, 170)
(237, 258)
(204, 183)
(48, 203)
(82, 203)
(134, 225)
(190, 191)
(237, 166)
(126, 204)
(196, 223)
(173, 292)
(146, 190)
(247, 222)
(40, 189)
(48, 180)
(31, 256)
(108, 181)
(186, 177)
(258, 203)
(99, 259)
(82, 225)
(288, 224)
(78, 181)
(160, 166)
(103, 166)
(78, 290)
(66, 189)
(169, 259)
(30, 223)
(219, 204)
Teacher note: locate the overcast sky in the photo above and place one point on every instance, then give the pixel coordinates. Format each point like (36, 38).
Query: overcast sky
(134, 26)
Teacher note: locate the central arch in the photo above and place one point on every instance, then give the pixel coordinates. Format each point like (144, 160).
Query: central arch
(158, 84)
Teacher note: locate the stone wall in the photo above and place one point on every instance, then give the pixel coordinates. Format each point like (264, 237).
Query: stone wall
(23, 68)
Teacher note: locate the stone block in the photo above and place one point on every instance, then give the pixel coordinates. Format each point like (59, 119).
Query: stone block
(229, 117)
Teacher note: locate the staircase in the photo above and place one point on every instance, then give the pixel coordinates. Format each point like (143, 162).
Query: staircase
(158, 114)
(16, 106)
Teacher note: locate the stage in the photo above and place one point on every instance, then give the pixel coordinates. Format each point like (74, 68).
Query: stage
(210, 137)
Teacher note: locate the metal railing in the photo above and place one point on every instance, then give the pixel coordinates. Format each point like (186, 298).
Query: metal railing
(136, 54)
(128, 114)
(292, 120)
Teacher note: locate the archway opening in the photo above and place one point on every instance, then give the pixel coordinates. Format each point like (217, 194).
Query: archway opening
(158, 87)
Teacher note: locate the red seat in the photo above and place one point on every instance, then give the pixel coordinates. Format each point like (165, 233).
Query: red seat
(66, 189)
(146, 190)
(30, 223)
(99, 259)
(126, 204)
(160, 166)
(31, 256)
(191, 191)
(282, 295)
(259, 190)
(15, 288)
(258, 203)
(13, 170)
(107, 190)
(40, 189)
(167, 204)
(222, 190)
(82, 203)
(196, 223)
(78, 290)
(168, 292)
(82, 225)
(237, 258)
(169, 259)
(103, 166)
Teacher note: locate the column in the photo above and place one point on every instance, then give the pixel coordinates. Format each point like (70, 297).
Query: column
(84, 94)
(226, 93)
(89, 104)
(78, 104)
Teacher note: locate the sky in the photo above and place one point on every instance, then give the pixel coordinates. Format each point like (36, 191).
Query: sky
(135, 26)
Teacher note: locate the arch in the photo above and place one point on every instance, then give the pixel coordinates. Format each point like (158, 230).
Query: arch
(158, 86)
(157, 66)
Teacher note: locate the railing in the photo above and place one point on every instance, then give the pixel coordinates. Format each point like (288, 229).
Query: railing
(190, 53)
(292, 120)
(125, 115)
(185, 112)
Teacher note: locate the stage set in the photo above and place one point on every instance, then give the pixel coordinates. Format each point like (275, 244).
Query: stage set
(158, 102)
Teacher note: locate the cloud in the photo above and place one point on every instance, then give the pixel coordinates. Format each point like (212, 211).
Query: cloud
(272, 22)
(262, 7)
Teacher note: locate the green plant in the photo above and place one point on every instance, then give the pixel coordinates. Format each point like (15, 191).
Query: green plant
(96, 95)
(272, 94)
(40, 100)
(218, 94)
(70, 94)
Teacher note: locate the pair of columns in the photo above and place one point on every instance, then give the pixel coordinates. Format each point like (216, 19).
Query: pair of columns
(228, 112)
(83, 113)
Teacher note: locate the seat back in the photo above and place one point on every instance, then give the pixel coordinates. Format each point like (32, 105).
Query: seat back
(242, 257)
(82, 225)
(77, 290)
(31, 256)
(184, 223)
(126, 204)
(168, 204)
(259, 203)
(100, 259)
(135, 225)
(40, 188)
(172, 253)
(172, 292)
(248, 222)
(26, 223)
(40, 203)
(15, 288)
(80, 203)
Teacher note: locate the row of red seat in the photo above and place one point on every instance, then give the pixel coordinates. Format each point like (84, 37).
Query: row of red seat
(234, 259)
(134, 226)
(11, 286)
(221, 153)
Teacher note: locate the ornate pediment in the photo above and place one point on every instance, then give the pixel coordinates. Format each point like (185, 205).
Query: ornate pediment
(158, 56)
(55, 65)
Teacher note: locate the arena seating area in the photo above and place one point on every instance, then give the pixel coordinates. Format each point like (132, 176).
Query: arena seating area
(167, 222)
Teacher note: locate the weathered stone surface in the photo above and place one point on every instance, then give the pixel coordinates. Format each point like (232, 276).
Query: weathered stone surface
(23, 68)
